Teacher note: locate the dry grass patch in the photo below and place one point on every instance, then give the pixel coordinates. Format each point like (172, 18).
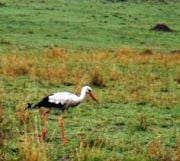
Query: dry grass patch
(22, 117)
(14, 65)
(53, 75)
(57, 53)
(31, 150)
(128, 56)
(158, 151)
(141, 75)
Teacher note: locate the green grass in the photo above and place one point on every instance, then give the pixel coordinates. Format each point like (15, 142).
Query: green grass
(87, 25)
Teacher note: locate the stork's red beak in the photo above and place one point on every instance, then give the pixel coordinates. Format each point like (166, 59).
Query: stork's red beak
(93, 96)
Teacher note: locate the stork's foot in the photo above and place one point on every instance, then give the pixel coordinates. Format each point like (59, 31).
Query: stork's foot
(61, 125)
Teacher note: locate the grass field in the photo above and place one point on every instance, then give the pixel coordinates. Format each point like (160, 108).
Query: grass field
(49, 46)
(137, 117)
(87, 24)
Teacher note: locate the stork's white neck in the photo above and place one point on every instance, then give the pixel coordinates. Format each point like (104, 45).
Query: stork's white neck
(82, 95)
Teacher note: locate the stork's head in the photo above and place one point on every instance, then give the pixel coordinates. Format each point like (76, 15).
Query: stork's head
(88, 91)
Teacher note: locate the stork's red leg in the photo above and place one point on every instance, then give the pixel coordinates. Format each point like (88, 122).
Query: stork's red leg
(61, 125)
(44, 132)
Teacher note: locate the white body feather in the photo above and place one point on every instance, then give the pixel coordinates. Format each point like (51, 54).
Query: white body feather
(64, 98)
(68, 99)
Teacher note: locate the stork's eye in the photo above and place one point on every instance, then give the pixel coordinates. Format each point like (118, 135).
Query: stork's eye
(88, 90)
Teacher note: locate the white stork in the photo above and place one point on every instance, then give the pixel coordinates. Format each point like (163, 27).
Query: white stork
(61, 101)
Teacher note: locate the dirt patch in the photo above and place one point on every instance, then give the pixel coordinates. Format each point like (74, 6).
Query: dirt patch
(175, 51)
(162, 27)
(146, 52)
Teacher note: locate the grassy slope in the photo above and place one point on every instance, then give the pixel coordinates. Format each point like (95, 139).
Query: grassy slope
(87, 24)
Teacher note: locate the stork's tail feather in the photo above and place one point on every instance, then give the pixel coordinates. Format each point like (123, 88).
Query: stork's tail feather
(28, 105)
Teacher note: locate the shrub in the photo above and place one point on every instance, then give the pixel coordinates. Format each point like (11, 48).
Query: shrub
(97, 78)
